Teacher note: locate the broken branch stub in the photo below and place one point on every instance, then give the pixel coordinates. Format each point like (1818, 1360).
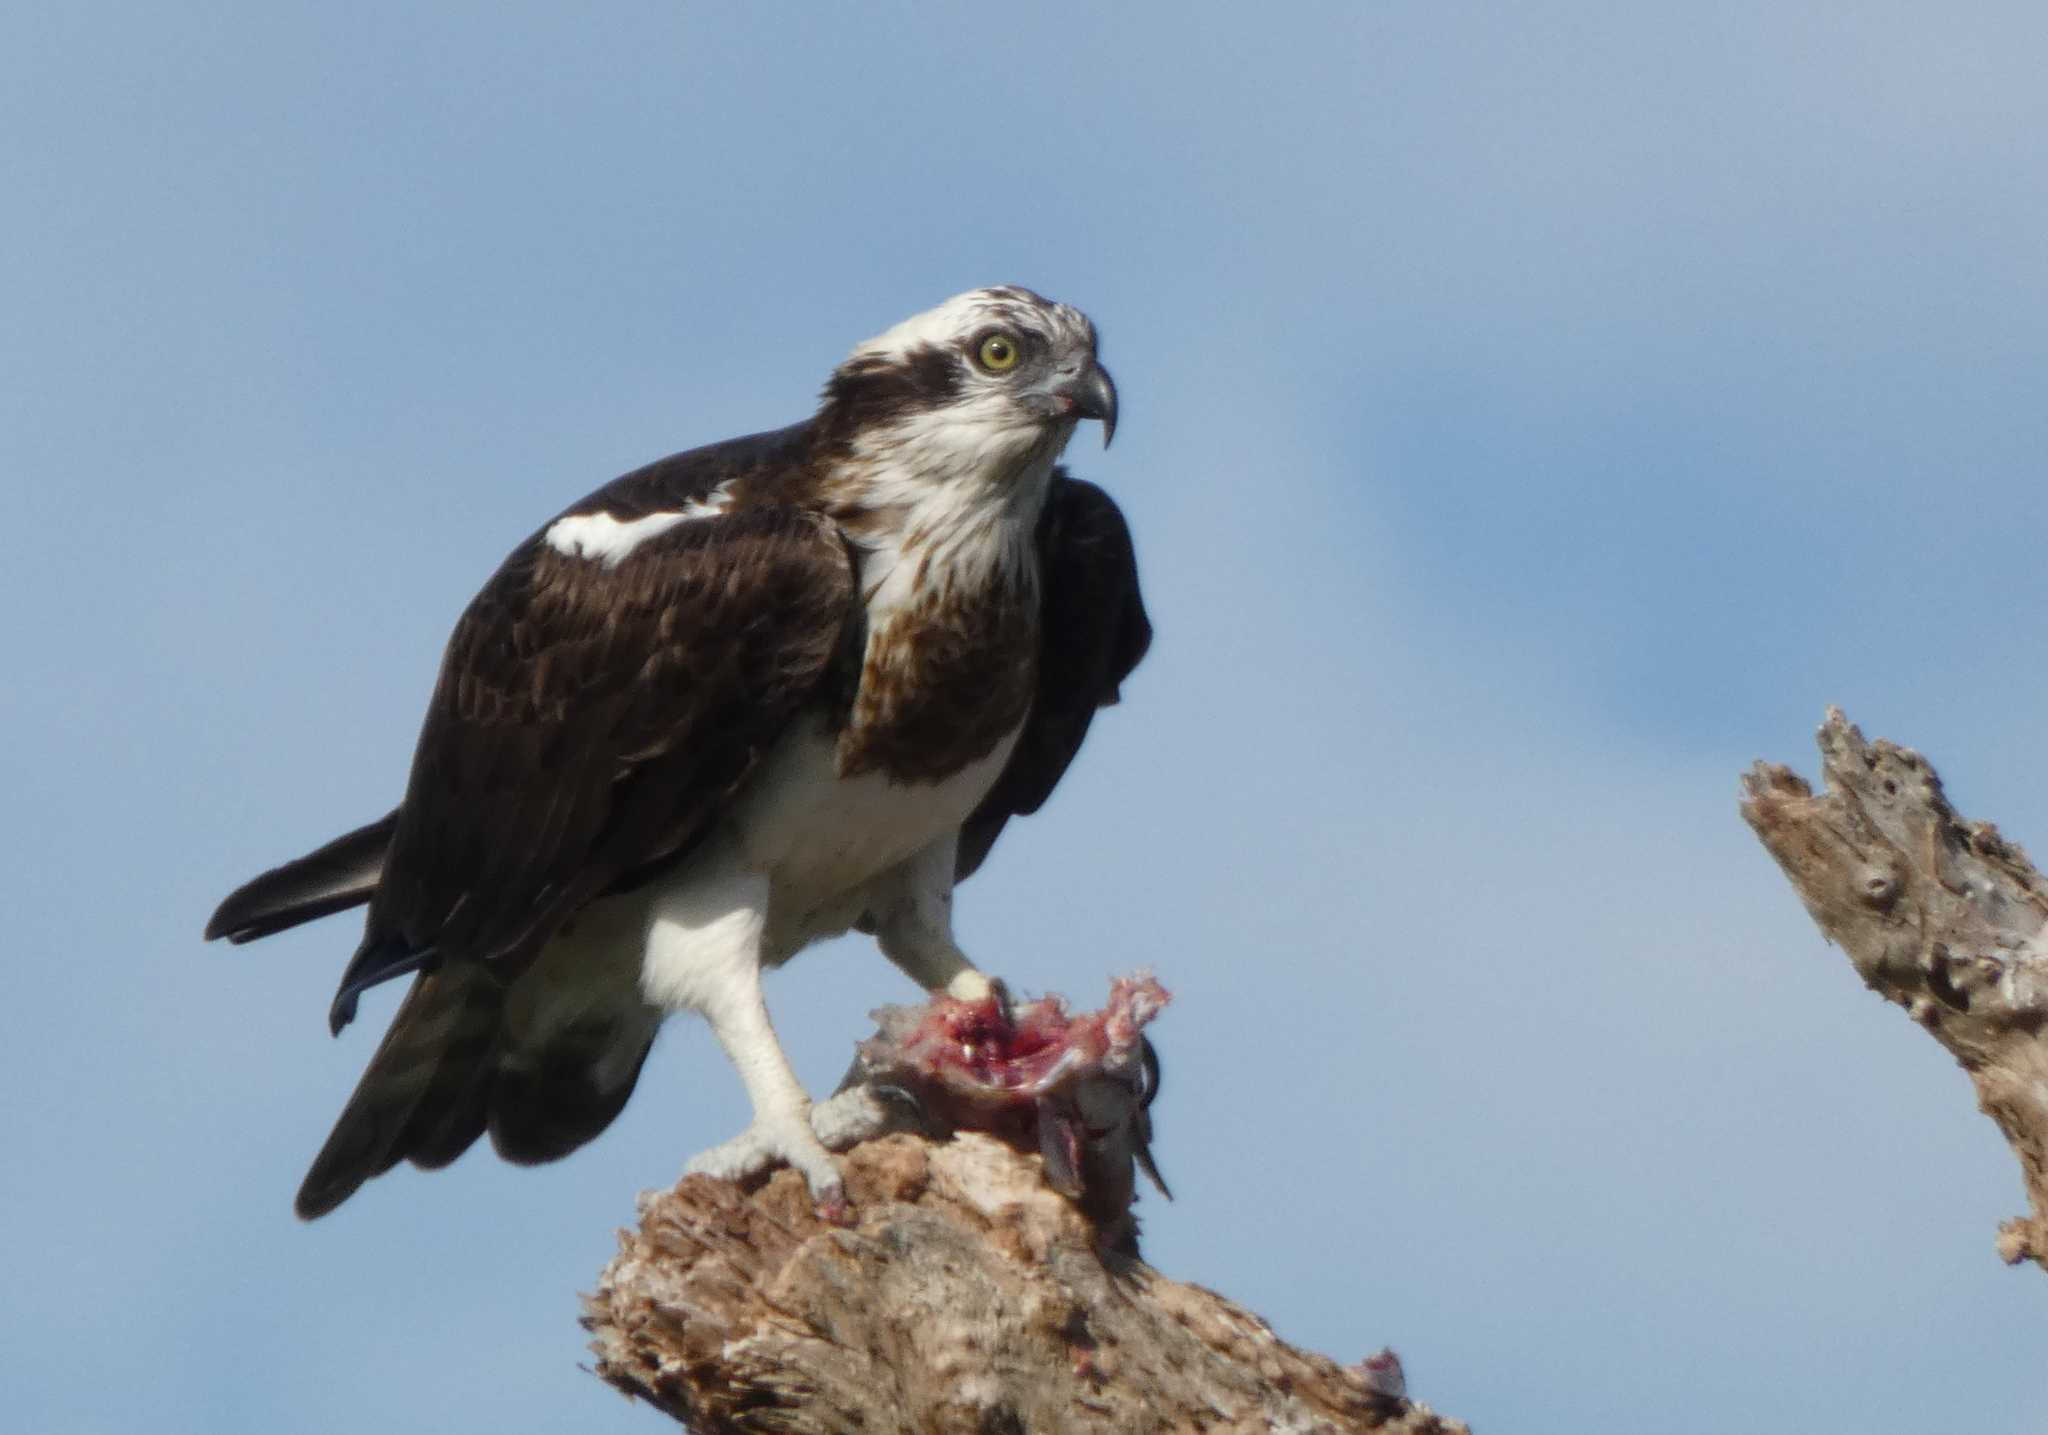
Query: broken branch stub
(1941, 915)
(967, 1296)
(987, 1284)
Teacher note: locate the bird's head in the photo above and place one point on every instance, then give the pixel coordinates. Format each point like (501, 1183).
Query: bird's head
(993, 379)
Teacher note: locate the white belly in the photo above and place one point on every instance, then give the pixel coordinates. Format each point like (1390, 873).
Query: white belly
(820, 838)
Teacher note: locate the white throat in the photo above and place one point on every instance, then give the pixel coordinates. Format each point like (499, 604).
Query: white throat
(956, 504)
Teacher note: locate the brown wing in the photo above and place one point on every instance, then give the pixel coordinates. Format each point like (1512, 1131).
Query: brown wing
(1094, 633)
(590, 722)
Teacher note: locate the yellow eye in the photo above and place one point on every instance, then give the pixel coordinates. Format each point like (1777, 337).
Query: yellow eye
(997, 353)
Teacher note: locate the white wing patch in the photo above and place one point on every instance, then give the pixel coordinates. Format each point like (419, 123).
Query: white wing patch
(611, 541)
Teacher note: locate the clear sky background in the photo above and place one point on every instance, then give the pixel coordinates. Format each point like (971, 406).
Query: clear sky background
(1531, 415)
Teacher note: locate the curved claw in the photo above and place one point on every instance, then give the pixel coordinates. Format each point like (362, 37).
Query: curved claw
(909, 1105)
(1141, 1152)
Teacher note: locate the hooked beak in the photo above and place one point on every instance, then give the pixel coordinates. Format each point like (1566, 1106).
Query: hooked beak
(1089, 395)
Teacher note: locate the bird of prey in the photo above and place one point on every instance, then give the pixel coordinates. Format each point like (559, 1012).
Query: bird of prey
(741, 699)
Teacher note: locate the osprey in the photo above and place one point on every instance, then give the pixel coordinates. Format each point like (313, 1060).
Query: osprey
(749, 696)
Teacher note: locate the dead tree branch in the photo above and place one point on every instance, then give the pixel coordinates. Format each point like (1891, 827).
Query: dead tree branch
(1943, 916)
(966, 1296)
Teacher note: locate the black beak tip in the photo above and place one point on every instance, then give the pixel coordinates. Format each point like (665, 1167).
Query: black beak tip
(1099, 400)
(1087, 395)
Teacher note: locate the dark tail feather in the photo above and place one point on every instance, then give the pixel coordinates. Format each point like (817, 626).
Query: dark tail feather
(457, 1105)
(333, 878)
(546, 1103)
(419, 1097)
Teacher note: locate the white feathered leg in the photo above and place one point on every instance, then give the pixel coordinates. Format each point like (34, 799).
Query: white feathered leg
(704, 955)
(913, 909)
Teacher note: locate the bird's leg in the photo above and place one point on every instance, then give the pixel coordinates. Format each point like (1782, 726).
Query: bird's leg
(913, 911)
(704, 955)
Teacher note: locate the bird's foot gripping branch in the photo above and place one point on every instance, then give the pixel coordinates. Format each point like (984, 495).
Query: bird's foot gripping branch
(971, 1289)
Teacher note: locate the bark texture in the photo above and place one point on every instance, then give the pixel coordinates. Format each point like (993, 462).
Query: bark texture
(1939, 914)
(967, 1295)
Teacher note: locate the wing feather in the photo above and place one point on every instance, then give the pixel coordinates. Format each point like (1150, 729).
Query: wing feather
(1094, 632)
(590, 722)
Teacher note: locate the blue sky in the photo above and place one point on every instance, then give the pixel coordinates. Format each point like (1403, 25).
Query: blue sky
(1529, 417)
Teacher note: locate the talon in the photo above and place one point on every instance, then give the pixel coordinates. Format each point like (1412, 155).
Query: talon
(909, 1110)
(903, 1097)
(1149, 1061)
(1149, 1070)
(833, 1209)
(1142, 1154)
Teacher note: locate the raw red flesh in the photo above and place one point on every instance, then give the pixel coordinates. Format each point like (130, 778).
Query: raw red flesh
(1074, 1089)
(967, 1049)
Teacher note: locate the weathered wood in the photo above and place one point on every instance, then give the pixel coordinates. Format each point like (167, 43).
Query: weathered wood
(1941, 915)
(967, 1295)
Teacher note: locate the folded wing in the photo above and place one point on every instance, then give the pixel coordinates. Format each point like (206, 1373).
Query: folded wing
(591, 722)
(592, 719)
(1094, 633)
